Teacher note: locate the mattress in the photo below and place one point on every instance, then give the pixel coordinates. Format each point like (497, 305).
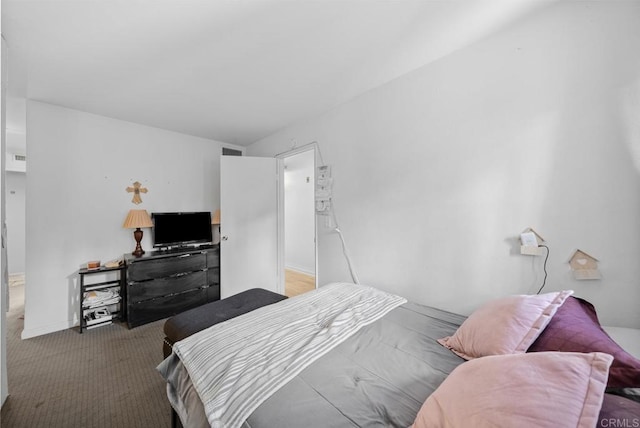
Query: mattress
(380, 376)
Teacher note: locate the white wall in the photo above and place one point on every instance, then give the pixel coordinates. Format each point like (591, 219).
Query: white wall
(79, 167)
(299, 213)
(4, 289)
(16, 111)
(15, 187)
(16, 123)
(437, 172)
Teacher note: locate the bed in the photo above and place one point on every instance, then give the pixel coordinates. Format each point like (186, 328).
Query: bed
(388, 372)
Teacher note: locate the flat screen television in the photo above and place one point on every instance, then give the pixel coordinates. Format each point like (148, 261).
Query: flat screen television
(181, 229)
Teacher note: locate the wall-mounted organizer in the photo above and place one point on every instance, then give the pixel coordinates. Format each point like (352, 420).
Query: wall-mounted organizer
(530, 242)
(584, 266)
(323, 189)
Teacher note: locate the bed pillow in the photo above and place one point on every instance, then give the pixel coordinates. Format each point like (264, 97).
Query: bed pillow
(624, 411)
(549, 390)
(575, 328)
(505, 326)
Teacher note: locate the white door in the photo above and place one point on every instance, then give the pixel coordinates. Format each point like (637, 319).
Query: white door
(248, 225)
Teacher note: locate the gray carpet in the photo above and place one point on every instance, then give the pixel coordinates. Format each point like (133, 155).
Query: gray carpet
(103, 377)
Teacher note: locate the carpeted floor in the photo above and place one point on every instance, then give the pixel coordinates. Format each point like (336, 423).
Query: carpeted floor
(103, 377)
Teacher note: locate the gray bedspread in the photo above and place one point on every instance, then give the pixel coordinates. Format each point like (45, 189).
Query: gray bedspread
(380, 376)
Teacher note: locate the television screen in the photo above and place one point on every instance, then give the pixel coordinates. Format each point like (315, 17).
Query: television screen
(182, 228)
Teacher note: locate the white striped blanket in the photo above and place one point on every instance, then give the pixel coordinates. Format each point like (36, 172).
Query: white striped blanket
(236, 365)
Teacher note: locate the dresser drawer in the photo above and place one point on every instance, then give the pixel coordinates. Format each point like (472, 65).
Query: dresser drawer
(213, 293)
(213, 257)
(145, 290)
(165, 266)
(163, 307)
(213, 276)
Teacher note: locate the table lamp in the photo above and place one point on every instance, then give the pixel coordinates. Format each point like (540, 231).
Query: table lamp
(135, 220)
(215, 221)
(216, 218)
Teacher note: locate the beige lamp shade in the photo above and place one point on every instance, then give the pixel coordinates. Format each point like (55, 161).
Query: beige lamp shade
(216, 217)
(136, 219)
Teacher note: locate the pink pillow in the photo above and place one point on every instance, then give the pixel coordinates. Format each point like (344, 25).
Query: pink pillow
(551, 390)
(505, 326)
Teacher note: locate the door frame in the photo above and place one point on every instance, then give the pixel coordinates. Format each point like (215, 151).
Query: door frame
(281, 194)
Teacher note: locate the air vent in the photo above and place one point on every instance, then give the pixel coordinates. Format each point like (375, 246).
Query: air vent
(16, 162)
(231, 152)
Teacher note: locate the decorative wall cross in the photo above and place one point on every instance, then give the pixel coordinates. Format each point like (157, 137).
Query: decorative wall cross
(137, 189)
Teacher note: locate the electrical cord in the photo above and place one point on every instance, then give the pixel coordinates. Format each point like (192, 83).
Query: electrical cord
(346, 256)
(544, 266)
(352, 271)
(345, 251)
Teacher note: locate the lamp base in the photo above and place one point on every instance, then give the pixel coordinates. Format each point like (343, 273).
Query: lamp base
(137, 235)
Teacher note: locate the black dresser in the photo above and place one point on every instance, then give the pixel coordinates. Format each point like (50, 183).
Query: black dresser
(161, 284)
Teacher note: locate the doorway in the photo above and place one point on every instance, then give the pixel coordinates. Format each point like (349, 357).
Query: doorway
(256, 229)
(299, 222)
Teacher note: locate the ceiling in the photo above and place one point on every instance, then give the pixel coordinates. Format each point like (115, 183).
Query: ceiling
(230, 70)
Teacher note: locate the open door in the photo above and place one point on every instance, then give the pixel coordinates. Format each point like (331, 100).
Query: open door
(249, 225)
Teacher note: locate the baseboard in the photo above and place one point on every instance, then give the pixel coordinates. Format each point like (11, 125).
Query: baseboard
(15, 274)
(45, 329)
(300, 270)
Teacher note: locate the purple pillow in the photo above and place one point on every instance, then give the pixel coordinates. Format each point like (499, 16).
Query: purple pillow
(575, 328)
(619, 412)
